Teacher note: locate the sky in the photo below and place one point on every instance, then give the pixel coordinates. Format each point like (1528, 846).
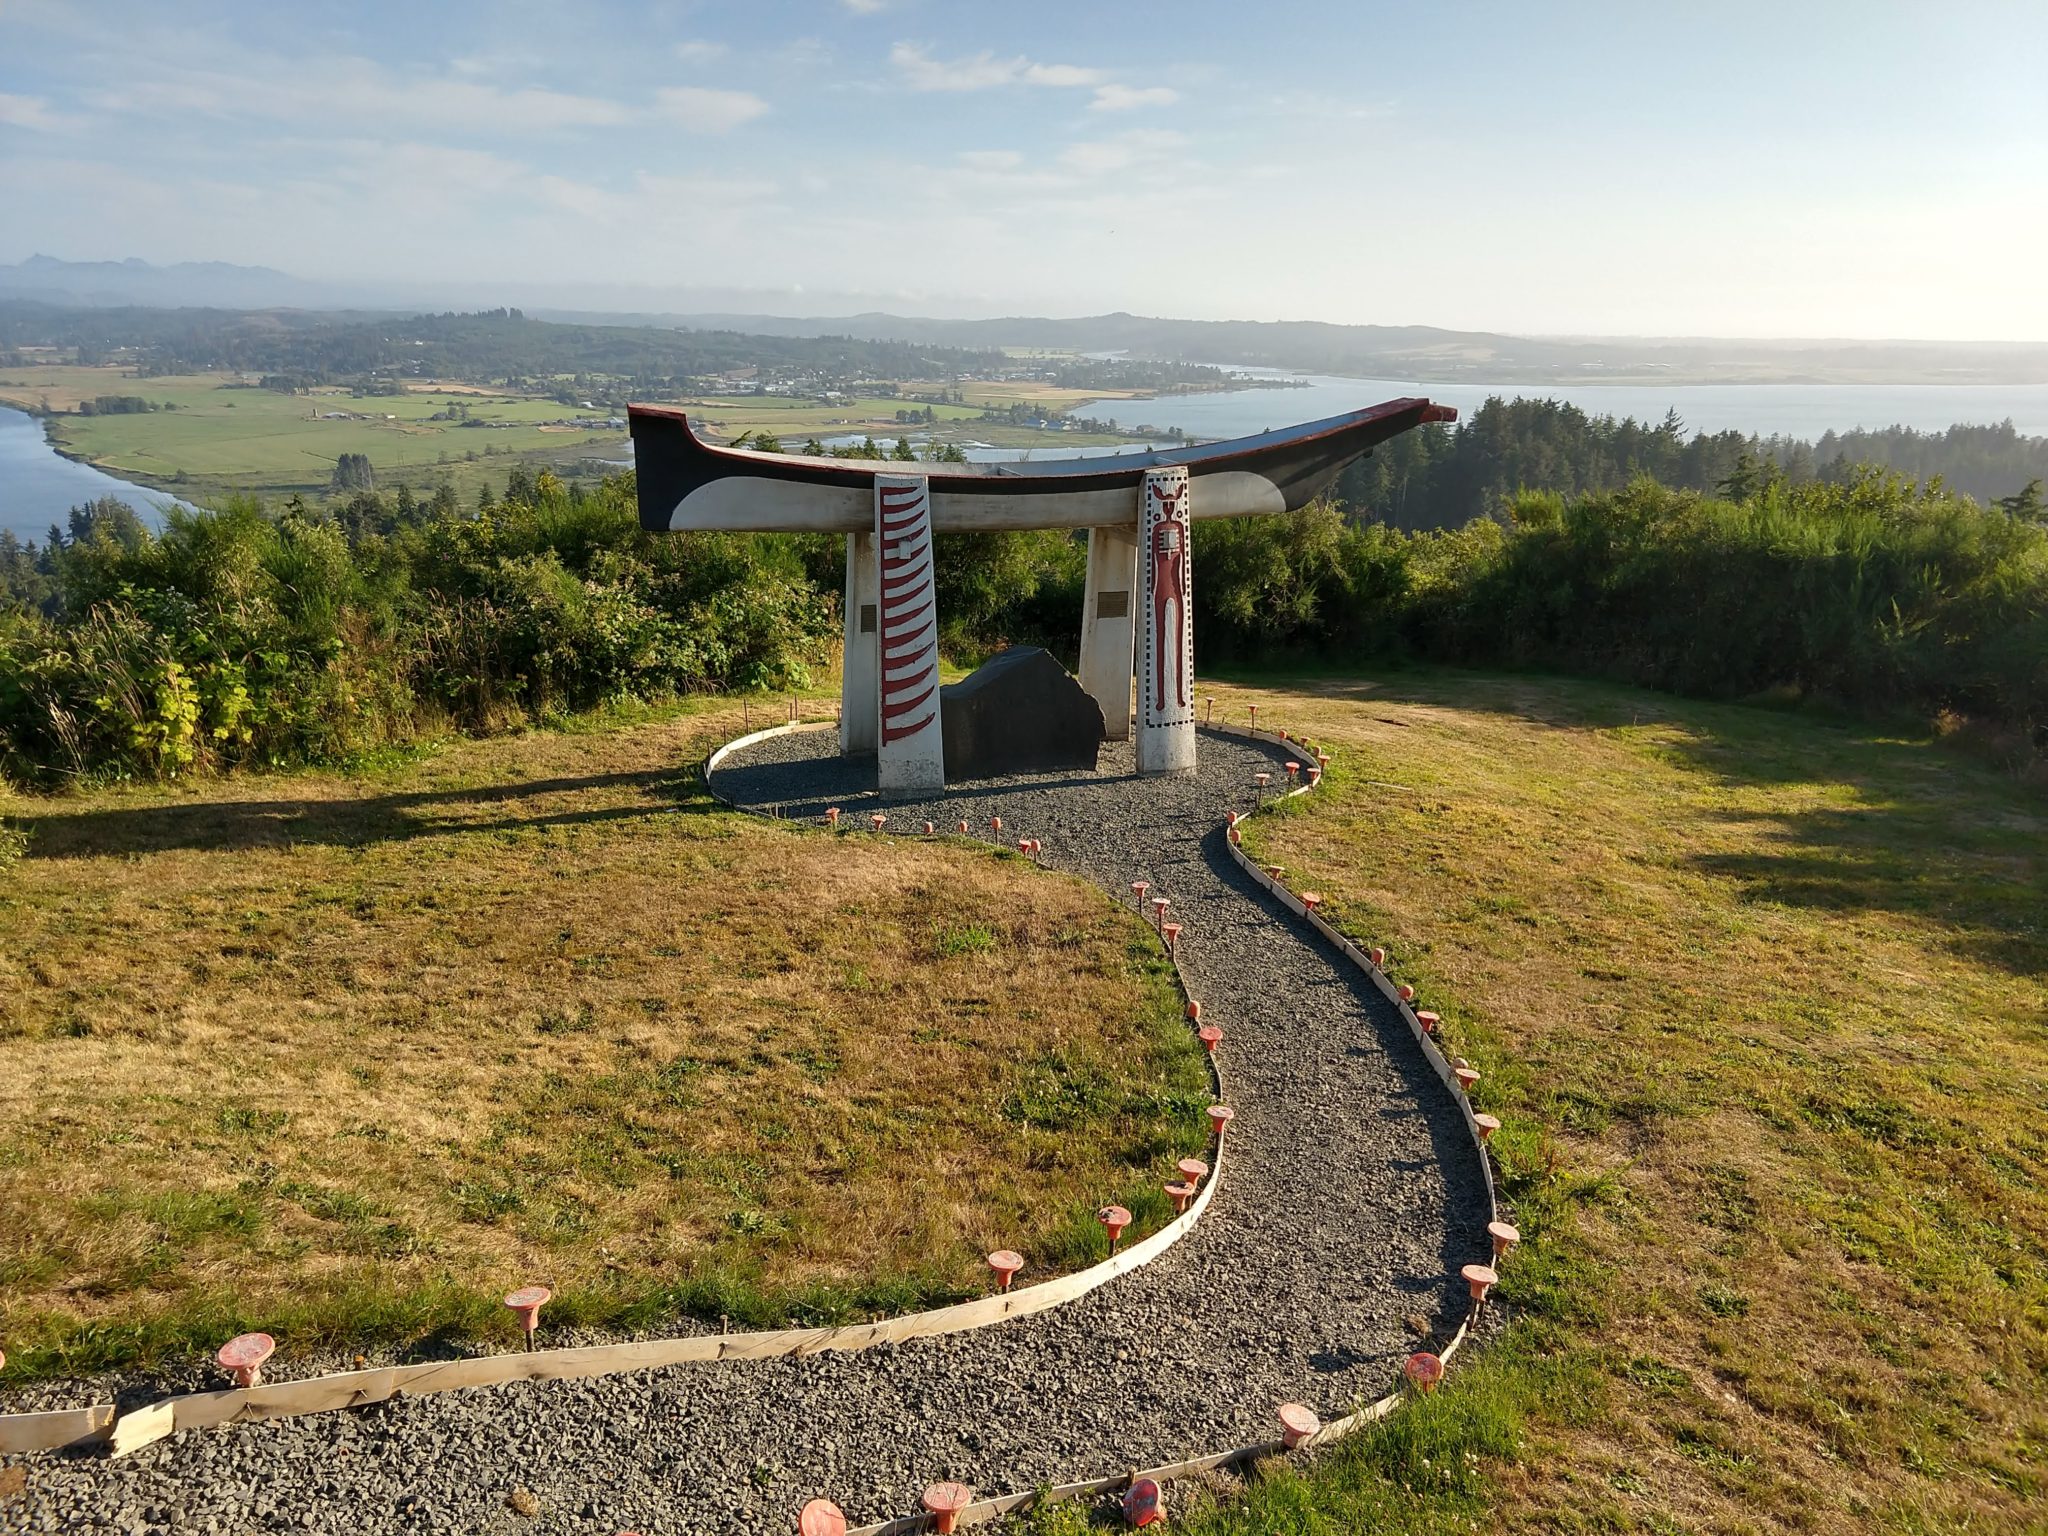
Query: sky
(1868, 169)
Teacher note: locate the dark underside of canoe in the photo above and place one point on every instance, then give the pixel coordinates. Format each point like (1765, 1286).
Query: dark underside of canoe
(1273, 471)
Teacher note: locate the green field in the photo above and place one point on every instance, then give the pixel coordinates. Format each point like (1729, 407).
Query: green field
(223, 438)
(219, 436)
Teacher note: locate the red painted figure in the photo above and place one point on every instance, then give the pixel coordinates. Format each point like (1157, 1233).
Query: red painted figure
(1169, 615)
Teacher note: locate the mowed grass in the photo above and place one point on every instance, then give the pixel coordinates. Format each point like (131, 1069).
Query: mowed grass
(348, 1058)
(1763, 1002)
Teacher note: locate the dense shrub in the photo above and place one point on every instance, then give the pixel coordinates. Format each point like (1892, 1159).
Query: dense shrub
(241, 635)
(237, 635)
(1876, 593)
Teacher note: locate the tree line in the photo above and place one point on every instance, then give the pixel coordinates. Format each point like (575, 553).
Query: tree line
(1444, 476)
(302, 633)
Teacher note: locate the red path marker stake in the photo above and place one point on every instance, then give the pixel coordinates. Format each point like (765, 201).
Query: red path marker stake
(1159, 906)
(1114, 1219)
(1427, 1020)
(1024, 847)
(1481, 1280)
(1466, 1076)
(944, 1501)
(1378, 957)
(1172, 933)
(1423, 1371)
(821, 1517)
(1144, 1504)
(1210, 1036)
(1504, 1236)
(1487, 1126)
(1274, 871)
(1208, 709)
(526, 1304)
(1138, 890)
(1315, 777)
(1236, 838)
(1406, 992)
(1310, 900)
(1194, 1010)
(832, 817)
(1293, 772)
(963, 829)
(995, 825)
(1297, 1423)
(878, 818)
(1220, 1116)
(1180, 1192)
(1193, 1169)
(929, 829)
(244, 1355)
(1255, 717)
(1005, 1264)
(1262, 780)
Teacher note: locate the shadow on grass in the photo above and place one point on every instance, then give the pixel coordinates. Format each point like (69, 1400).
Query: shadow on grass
(223, 826)
(1911, 828)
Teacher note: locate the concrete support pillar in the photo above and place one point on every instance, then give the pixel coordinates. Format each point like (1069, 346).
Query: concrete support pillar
(912, 752)
(859, 676)
(1106, 611)
(1166, 650)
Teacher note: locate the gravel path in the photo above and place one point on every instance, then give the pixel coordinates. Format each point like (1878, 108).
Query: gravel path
(1351, 1197)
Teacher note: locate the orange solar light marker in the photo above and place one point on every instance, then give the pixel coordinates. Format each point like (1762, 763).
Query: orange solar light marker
(244, 1356)
(526, 1304)
(1297, 1423)
(944, 1501)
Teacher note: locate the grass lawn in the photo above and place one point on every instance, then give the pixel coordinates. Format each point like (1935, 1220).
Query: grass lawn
(1763, 1002)
(346, 1058)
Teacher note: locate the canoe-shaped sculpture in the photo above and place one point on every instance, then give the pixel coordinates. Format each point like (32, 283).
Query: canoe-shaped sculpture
(687, 483)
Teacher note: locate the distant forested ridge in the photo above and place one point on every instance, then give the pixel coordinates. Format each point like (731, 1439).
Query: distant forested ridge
(1443, 477)
(290, 349)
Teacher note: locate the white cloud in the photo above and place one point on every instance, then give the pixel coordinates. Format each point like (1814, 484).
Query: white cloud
(1126, 98)
(991, 159)
(1102, 157)
(699, 51)
(982, 71)
(351, 90)
(702, 110)
(28, 112)
(866, 7)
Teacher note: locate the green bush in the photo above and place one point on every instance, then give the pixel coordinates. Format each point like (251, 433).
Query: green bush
(238, 635)
(242, 635)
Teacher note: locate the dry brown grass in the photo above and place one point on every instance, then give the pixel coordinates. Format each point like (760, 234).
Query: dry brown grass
(364, 1052)
(1762, 1002)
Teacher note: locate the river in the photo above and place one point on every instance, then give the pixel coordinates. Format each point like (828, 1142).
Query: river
(1792, 410)
(38, 485)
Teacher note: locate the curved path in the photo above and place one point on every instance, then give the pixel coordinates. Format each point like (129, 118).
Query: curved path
(1351, 1196)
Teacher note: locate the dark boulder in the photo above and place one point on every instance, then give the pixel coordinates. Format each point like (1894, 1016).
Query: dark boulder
(1019, 712)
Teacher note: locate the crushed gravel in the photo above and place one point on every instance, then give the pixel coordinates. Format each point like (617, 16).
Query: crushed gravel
(1351, 1197)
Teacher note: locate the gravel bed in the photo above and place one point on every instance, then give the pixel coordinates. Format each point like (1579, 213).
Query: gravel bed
(1351, 1197)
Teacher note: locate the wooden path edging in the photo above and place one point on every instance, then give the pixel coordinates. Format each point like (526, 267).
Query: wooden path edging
(985, 1510)
(130, 1431)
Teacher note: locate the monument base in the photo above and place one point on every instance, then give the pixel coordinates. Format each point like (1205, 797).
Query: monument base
(1019, 712)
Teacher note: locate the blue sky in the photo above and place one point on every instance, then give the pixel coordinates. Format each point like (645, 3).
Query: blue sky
(1867, 169)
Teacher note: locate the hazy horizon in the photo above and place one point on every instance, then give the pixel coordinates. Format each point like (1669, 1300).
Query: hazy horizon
(1826, 173)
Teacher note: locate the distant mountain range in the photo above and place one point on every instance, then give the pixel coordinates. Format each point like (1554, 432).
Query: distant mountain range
(1425, 354)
